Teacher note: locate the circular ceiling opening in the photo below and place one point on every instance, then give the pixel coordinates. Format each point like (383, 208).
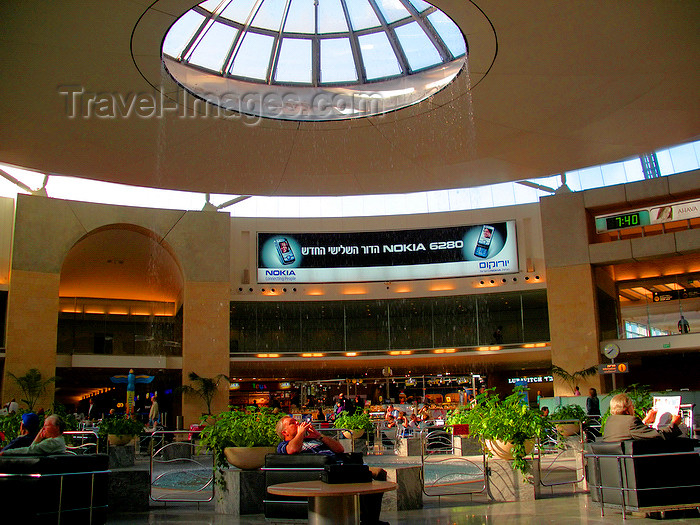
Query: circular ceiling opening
(314, 60)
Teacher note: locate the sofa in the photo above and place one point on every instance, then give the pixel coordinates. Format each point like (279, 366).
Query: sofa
(644, 475)
(61, 488)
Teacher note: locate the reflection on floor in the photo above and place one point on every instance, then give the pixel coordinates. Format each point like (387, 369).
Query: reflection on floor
(462, 510)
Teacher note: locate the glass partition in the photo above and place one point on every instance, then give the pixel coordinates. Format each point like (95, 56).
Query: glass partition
(386, 324)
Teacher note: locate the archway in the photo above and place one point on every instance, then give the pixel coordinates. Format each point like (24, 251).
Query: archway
(120, 299)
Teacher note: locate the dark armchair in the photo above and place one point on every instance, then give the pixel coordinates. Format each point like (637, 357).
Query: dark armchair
(644, 475)
(61, 488)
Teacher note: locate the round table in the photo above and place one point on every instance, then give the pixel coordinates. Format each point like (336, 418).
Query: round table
(332, 503)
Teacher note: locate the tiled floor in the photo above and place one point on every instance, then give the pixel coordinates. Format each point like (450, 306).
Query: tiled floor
(567, 510)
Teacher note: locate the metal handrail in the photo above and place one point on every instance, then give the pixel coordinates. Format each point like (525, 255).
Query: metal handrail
(425, 434)
(84, 434)
(581, 435)
(155, 451)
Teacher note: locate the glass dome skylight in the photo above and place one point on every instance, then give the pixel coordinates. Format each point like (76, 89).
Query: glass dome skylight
(314, 59)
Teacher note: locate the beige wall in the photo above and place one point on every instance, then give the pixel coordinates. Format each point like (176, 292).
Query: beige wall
(31, 331)
(46, 229)
(572, 255)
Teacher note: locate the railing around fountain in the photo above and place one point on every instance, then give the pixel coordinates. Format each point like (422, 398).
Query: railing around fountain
(179, 471)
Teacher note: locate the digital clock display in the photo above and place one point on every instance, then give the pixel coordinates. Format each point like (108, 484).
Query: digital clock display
(627, 220)
(621, 221)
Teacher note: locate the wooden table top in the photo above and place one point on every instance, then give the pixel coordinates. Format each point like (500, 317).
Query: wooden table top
(319, 488)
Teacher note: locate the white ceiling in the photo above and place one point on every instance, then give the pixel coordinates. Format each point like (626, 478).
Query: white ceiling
(553, 86)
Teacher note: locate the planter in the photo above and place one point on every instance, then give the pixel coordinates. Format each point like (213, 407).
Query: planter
(502, 449)
(568, 429)
(119, 439)
(247, 458)
(353, 434)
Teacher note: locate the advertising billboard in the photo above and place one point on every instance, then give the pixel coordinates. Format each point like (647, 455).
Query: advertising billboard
(457, 251)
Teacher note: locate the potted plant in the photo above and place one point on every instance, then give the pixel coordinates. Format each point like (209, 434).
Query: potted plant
(354, 426)
(204, 388)
(568, 413)
(241, 438)
(120, 430)
(506, 428)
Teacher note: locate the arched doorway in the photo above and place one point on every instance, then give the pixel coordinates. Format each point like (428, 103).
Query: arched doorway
(120, 307)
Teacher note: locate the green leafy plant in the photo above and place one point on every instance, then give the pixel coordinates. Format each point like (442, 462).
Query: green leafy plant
(204, 388)
(240, 428)
(32, 386)
(9, 427)
(357, 421)
(458, 416)
(120, 426)
(565, 412)
(574, 377)
(508, 420)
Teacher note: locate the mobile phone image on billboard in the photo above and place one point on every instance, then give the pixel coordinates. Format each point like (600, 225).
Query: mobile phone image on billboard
(484, 241)
(284, 250)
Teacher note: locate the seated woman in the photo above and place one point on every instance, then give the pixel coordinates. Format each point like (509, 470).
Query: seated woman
(622, 424)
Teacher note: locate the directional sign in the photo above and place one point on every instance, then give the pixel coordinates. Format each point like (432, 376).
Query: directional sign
(614, 368)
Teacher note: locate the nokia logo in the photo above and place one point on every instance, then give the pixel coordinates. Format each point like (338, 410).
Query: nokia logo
(493, 265)
(280, 272)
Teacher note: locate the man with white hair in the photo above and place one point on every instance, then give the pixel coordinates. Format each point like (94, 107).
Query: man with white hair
(623, 424)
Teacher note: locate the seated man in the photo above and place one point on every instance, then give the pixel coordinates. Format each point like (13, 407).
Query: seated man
(49, 440)
(622, 424)
(304, 438)
(28, 429)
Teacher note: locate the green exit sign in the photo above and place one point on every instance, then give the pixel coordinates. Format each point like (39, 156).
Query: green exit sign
(667, 345)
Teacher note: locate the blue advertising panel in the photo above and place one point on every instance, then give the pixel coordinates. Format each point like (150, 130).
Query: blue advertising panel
(458, 251)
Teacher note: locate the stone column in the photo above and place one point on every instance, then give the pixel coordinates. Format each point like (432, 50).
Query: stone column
(32, 326)
(205, 343)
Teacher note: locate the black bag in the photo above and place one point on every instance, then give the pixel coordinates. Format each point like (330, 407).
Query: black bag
(346, 473)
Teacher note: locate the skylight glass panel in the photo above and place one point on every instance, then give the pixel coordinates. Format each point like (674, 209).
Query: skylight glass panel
(301, 17)
(238, 10)
(294, 64)
(331, 17)
(269, 16)
(212, 49)
(253, 57)
(418, 48)
(378, 56)
(392, 10)
(362, 16)
(420, 5)
(181, 32)
(337, 64)
(449, 32)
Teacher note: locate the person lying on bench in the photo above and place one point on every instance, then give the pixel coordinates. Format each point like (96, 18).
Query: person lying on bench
(49, 440)
(301, 437)
(622, 424)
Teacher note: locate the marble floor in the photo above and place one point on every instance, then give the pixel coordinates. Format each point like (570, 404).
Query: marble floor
(569, 510)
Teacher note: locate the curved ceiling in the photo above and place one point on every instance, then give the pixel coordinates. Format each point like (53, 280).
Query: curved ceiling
(552, 86)
(121, 262)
